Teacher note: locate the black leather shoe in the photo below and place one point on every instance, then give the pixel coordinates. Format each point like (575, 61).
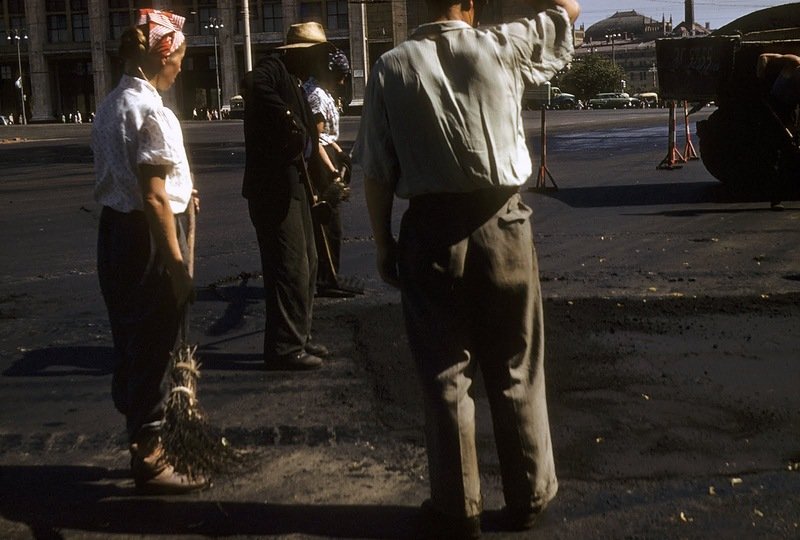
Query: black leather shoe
(436, 525)
(521, 519)
(317, 349)
(295, 362)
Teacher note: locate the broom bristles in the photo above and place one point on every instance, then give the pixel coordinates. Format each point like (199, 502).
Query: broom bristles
(193, 447)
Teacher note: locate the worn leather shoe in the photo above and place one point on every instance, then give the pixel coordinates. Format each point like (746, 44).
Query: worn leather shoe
(436, 525)
(521, 519)
(317, 349)
(295, 362)
(153, 475)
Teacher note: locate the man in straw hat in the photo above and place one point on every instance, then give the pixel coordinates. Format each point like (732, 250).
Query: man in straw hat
(280, 139)
(442, 127)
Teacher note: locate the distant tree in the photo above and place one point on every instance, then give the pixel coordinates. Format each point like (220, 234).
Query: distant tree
(591, 75)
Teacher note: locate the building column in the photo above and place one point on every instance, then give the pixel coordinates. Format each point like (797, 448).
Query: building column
(399, 21)
(290, 14)
(228, 71)
(38, 104)
(358, 58)
(101, 62)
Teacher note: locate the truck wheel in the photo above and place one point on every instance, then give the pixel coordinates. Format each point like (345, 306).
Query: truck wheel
(735, 148)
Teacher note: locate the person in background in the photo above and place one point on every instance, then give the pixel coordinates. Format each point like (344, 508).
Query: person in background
(442, 127)
(144, 184)
(280, 139)
(784, 98)
(331, 173)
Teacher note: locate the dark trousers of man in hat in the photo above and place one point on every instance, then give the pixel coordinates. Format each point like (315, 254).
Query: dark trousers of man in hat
(279, 132)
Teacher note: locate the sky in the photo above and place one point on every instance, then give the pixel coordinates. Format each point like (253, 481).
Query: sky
(715, 12)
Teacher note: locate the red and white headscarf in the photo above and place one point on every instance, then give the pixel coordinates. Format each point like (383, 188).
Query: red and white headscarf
(164, 30)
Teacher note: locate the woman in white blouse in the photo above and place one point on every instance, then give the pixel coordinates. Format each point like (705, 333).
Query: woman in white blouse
(145, 186)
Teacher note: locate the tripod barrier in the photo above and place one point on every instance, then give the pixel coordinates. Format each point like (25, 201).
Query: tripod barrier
(673, 155)
(544, 172)
(688, 151)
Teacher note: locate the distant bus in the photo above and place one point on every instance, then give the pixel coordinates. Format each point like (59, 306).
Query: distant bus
(237, 107)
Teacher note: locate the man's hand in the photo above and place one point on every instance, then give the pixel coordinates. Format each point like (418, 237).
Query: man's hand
(387, 263)
(380, 196)
(572, 7)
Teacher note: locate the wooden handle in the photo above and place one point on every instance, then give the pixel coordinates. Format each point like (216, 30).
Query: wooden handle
(190, 236)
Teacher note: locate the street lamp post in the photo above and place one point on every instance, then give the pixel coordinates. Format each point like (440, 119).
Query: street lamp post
(214, 24)
(18, 36)
(654, 71)
(612, 37)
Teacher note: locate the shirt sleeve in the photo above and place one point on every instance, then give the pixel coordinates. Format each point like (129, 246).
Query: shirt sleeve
(542, 45)
(314, 101)
(374, 148)
(159, 140)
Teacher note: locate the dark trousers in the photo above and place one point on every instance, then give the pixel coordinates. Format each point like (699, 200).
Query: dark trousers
(329, 248)
(471, 299)
(143, 314)
(289, 263)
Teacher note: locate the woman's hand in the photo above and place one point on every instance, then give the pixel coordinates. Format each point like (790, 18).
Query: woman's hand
(196, 201)
(182, 284)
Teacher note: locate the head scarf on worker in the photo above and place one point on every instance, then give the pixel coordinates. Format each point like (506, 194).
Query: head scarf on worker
(338, 64)
(164, 30)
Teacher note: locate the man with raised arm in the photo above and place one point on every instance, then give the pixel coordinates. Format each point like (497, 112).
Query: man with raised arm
(442, 127)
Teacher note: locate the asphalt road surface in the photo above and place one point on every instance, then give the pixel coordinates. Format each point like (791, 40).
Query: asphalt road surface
(671, 314)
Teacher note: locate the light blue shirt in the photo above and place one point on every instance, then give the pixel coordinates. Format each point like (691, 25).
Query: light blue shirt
(442, 111)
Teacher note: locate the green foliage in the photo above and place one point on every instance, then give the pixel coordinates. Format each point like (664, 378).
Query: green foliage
(591, 75)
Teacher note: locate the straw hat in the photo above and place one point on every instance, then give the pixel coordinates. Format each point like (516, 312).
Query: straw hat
(305, 34)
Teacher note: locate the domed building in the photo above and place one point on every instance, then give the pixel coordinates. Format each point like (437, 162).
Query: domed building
(628, 39)
(628, 26)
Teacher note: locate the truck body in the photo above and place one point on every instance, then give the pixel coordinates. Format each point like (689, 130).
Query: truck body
(551, 97)
(745, 143)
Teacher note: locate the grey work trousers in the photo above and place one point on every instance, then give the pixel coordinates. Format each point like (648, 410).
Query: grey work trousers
(471, 298)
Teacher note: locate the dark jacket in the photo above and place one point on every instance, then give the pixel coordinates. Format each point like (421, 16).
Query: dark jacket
(278, 125)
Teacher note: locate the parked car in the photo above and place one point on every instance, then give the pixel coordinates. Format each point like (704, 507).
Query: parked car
(648, 99)
(563, 101)
(237, 107)
(613, 100)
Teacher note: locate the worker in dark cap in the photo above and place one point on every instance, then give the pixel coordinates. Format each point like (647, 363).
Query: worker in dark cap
(782, 72)
(332, 171)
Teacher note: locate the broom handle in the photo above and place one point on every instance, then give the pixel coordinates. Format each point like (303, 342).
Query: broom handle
(191, 219)
(313, 195)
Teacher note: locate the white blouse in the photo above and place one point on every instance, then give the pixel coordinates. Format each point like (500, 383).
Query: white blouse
(132, 127)
(321, 102)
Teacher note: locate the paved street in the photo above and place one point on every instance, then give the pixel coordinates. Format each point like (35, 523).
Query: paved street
(672, 356)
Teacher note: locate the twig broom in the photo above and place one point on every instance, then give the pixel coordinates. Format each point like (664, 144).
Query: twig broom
(192, 445)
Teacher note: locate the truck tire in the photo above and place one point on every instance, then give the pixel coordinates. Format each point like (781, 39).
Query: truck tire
(737, 149)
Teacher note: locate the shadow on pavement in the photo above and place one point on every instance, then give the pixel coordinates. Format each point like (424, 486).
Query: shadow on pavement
(651, 194)
(99, 361)
(63, 361)
(237, 297)
(52, 498)
(703, 211)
